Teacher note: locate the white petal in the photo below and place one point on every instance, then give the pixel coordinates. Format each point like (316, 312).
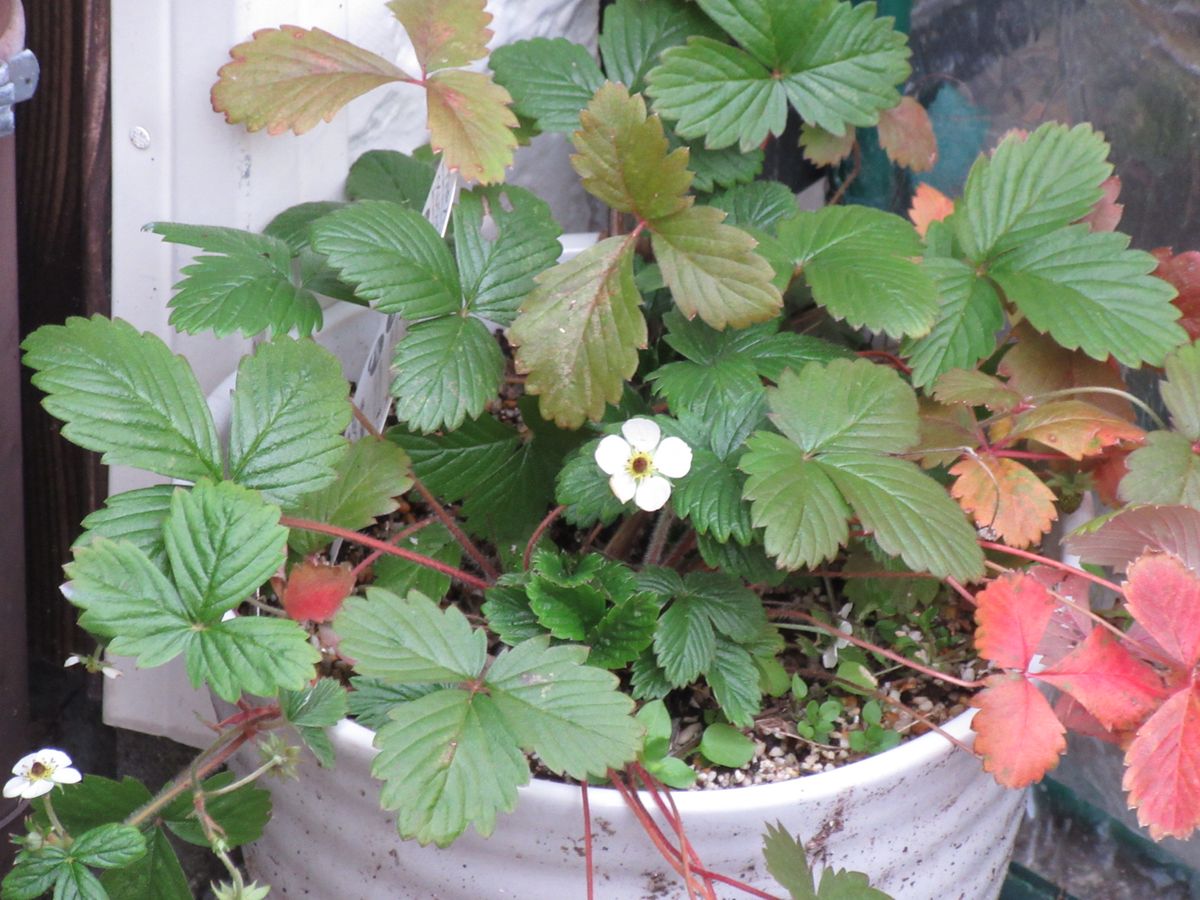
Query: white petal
(53, 759)
(37, 788)
(612, 454)
(652, 493)
(72, 660)
(673, 457)
(25, 763)
(643, 434)
(15, 787)
(110, 671)
(66, 775)
(623, 485)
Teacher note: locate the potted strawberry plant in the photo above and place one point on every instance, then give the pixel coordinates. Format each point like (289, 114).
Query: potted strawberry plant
(739, 492)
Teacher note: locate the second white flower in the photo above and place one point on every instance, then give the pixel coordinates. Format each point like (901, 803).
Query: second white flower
(640, 461)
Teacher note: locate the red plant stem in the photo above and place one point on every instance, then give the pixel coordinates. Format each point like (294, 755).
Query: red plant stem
(681, 549)
(874, 648)
(591, 537)
(892, 359)
(537, 534)
(1052, 563)
(370, 558)
(961, 591)
(384, 547)
(659, 792)
(587, 840)
(850, 178)
(465, 542)
(664, 847)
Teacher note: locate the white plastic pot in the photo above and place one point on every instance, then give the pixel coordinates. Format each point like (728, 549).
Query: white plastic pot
(923, 820)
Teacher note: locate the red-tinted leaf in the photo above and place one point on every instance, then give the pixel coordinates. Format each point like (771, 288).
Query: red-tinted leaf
(929, 205)
(444, 34)
(1077, 719)
(1133, 532)
(822, 148)
(1164, 596)
(470, 122)
(1183, 271)
(1017, 733)
(315, 591)
(1106, 214)
(906, 135)
(1037, 365)
(1070, 624)
(1163, 768)
(1073, 427)
(1115, 687)
(1107, 469)
(1011, 616)
(1004, 496)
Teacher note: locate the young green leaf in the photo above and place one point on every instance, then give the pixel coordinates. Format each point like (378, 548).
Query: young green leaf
(223, 542)
(578, 333)
(788, 864)
(392, 256)
(726, 746)
(313, 710)
(471, 124)
(446, 371)
(508, 611)
(135, 516)
(626, 629)
(447, 34)
(636, 32)
(369, 478)
(289, 412)
(712, 605)
(244, 284)
(1088, 291)
(550, 80)
(390, 175)
(291, 77)
(728, 396)
(497, 271)
(125, 395)
(859, 263)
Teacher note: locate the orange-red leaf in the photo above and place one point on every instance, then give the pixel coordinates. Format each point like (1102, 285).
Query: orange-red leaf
(906, 135)
(470, 122)
(1162, 771)
(929, 205)
(1011, 615)
(1073, 427)
(291, 77)
(1183, 271)
(1005, 497)
(1163, 595)
(1017, 733)
(315, 591)
(1106, 214)
(1078, 720)
(445, 34)
(1113, 685)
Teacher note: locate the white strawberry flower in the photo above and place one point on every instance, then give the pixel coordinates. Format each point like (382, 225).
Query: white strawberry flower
(39, 772)
(640, 461)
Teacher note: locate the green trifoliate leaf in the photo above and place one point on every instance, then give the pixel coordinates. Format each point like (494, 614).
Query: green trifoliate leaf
(289, 412)
(313, 710)
(135, 516)
(34, 872)
(846, 405)
(456, 464)
(760, 204)
(1088, 292)
(372, 701)
(291, 77)
(909, 513)
(508, 612)
(728, 397)
(446, 371)
(568, 613)
(241, 814)
(392, 256)
(626, 629)
(37, 871)
(223, 542)
(369, 478)
(109, 846)
(471, 124)
(156, 876)
(859, 263)
(243, 284)
(792, 497)
(446, 34)
(497, 270)
(448, 760)
(252, 655)
(1181, 390)
(623, 157)
(96, 801)
(712, 269)
(126, 395)
(969, 318)
(390, 175)
(290, 226)
(408, 639)
(1165, 470)
(582, 487)
(724, 168)
(712, 606)
(1028, 188)
(710, 497)
(401, 576)
(550, 80)
(579, 331)
(571, 715)
(788, 864)
(648, 679)
(734, 680)
(636, 32)
(835, 63)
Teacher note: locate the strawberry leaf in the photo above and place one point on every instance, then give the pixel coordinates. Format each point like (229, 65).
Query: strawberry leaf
(550, 80)
(822, 148)
(1073, 427)
(1162, 594)
(1181, 390)
(1161, 763)
(579, 331)
(636, 32)
(291, 77)
(446, 34)
(1129, 533)
(1011, 615)
(1182, 271)
(929, 205)
(906, 135)
(972, 388)
(1165, 470)
(470, 124)
(1004, 496)
(135, 516)
(1114, 686)
(1016, 731)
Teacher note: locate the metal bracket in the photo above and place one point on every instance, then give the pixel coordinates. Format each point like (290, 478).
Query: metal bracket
(18, 81)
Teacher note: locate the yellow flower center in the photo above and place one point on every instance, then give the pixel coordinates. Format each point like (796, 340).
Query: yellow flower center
(640, 464)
